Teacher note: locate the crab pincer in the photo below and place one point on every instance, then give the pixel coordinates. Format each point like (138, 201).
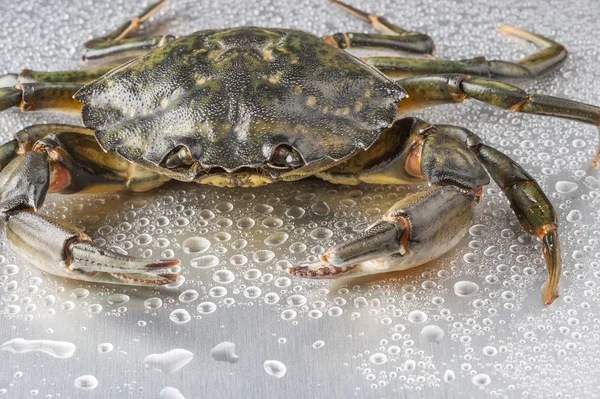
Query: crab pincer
(53, 245)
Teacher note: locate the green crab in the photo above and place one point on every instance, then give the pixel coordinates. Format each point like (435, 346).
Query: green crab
(247, 106)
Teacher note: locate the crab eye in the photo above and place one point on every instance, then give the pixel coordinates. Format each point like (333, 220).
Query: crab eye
(178, 158)
(285, 157)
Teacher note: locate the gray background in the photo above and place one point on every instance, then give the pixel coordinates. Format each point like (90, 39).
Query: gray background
(540, 351)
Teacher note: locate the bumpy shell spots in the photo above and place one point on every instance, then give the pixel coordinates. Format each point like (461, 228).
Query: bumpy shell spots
(231, 96)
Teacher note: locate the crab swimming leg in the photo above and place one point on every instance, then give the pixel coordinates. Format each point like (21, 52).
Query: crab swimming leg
(70, 162)
(430, 90)
(423, 226)
(551, 56)
(392, 37)
(117, 44)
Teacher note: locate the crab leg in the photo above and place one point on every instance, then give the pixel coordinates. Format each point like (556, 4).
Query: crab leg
(549, 58)
(416, 230)
(392, 37)
(70, 162)
(533, 209)
(27, 137)
(420, 227)
(46, 91)
(117, 44)
(423, 226)
(430, 90)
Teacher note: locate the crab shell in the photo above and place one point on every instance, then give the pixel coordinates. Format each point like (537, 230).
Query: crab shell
(232, 96)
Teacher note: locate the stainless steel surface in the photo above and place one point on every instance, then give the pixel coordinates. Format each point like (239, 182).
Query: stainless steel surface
(360, 338)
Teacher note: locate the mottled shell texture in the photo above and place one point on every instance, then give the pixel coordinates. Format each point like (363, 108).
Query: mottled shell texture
(232, 96)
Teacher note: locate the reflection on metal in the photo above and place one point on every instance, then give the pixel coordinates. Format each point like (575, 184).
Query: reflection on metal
(469, 325)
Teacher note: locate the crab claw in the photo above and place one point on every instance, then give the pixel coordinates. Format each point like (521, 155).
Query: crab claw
(358, 256)
(416, 230)
(62, 249)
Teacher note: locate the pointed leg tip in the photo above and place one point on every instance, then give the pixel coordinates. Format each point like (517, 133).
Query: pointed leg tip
(549, 296)
(512, 30)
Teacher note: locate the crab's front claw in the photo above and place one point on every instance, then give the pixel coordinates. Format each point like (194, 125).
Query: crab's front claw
(379, 241)
(62, 249)
(417, 229)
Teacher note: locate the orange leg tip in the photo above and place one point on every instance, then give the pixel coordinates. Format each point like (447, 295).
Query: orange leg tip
(551, 249)
(549, 292)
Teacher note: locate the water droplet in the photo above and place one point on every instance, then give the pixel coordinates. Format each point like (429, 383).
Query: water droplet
(224, 352)
(478, 230)
(223, 276)
(10, 270)
(206, 307)
(296, 300)
(320, 208)
(105, 347)
(168, 362)
(117, 299)
(574, 216)
(217, 292)
(79, 293)
(465, 288)
(143, 239)
(153, 303)
(263, 255)
(224, 207)
(481, 380)
(335, 311)
(252, 292)
(410, 365)
(318, 344)
(170, 393)
(272, 222)
(288, 314)
(271, 298)
(378, 358)
(189, 296)
(252, 274)
(490, 351)
(205, 262)
(417, 316)
(86, 382)
(262, 209)
(321, 233)
(277, 239)
(238, 260)
(245, 223)
(180, 316)
(432, 333)
(449, 376)
(196, 245)
(295, 212)
(58, 349)
(275, 368)
(566, 187)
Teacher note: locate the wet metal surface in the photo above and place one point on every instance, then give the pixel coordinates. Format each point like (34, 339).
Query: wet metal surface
(471, 324)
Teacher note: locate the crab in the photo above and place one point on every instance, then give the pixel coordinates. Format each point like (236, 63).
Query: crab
(248, 106)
